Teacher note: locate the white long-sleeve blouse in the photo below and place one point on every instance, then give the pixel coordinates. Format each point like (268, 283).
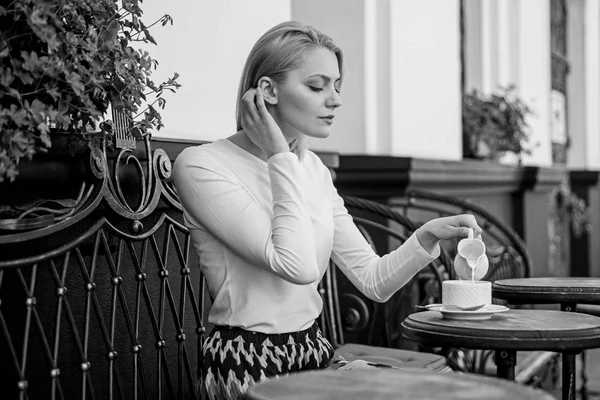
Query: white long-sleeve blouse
(264, 233)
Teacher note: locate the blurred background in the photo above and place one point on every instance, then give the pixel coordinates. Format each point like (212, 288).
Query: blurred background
(493, 100)
(408, 65)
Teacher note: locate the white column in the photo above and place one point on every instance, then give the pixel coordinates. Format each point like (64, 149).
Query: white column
(377, 77)
(506, 49)
(207, 45)
(370, 62)
(592, 83)
(534, 74)
(489, 45)
(473, 48)
(425, 84)
(576, 86)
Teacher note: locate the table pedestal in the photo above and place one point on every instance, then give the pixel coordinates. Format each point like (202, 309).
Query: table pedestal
(506, 360)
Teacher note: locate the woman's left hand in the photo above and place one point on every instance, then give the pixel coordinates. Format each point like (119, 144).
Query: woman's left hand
(456, 226)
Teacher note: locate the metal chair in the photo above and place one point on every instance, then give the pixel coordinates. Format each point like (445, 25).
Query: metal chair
(362, 329)
(386, 225)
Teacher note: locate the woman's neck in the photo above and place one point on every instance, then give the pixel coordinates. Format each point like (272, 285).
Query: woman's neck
(242, 140)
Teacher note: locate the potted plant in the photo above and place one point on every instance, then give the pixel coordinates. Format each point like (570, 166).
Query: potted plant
(63, 64)
(494, 124)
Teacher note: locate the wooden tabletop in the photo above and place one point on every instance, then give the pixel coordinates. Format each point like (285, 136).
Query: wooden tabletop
(379, 384)
(510, 330)
(548, 290)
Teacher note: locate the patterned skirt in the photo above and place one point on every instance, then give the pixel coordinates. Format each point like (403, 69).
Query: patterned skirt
(234, 359)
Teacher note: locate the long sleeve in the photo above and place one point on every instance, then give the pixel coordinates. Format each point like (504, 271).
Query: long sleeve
(376, 277)
(280, 241)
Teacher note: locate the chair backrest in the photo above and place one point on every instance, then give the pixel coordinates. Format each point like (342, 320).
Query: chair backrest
(506, 250)
(348, 316)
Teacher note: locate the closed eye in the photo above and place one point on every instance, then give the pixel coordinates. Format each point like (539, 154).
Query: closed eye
(315, 89)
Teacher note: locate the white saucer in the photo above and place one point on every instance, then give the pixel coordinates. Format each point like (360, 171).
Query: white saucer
(483, 313)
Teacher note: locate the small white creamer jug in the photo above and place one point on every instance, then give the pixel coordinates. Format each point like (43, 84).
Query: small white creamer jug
(471, 262)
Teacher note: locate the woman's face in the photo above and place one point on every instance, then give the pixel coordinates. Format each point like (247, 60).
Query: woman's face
(307, 99)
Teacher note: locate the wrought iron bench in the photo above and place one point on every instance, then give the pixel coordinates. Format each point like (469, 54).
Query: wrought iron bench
(98, 296)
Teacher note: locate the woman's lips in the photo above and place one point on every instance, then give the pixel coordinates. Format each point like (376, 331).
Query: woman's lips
(328, 119)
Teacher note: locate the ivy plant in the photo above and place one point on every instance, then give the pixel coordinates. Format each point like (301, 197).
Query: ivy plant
(564, 202)
(63, 62)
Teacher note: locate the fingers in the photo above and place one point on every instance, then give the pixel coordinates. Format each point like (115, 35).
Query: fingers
(249, 106)
(469, 222)
(260, 103)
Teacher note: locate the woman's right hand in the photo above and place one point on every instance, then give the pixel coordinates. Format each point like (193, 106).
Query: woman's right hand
(260, 126)
(456, 226)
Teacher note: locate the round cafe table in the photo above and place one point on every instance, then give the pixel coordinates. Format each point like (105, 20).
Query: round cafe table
(566, 291)
(387, 383)
(509, 332)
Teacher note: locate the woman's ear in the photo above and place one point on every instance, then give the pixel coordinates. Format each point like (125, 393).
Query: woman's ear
(268, 89)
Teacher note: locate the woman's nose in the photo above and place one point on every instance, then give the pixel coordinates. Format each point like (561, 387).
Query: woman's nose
(335, 100)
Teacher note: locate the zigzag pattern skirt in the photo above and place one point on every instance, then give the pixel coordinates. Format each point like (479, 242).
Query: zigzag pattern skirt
(235, 359)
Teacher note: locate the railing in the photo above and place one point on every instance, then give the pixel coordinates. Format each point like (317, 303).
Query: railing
(99, 294)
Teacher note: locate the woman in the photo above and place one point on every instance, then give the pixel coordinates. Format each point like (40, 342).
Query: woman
(265, 218)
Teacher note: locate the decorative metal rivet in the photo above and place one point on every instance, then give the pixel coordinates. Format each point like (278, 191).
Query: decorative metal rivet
(180, 338)
(61, 291)
(185, 271)
(503, 354)
(136, 348)
(136, 227)
(112, 355)
(160, 344)
(117, 280)
(163, 273)
(22, 385)
(90, 286)
(140, 277)
(55, 373)
(30, 301)
(85, 366)
(166, 164)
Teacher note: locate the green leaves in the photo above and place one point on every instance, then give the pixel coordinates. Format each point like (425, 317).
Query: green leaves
(62, 63)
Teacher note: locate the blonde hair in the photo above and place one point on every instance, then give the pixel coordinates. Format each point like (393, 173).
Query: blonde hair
(275, 53)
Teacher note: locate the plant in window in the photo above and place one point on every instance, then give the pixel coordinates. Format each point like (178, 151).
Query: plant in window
(62, 63)
(494, 124)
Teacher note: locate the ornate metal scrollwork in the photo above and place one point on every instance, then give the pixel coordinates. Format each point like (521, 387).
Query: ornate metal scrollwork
(153, 171)
(354, 311)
